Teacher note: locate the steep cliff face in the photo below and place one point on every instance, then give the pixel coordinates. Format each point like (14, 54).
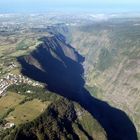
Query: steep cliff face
(56, 64)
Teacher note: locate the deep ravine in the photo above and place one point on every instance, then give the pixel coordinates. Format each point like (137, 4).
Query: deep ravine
(56, 64)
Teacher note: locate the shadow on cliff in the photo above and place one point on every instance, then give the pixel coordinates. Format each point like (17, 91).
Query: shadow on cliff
(64, 75)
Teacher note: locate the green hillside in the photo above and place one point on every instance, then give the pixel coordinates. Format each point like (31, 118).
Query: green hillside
(112, 65)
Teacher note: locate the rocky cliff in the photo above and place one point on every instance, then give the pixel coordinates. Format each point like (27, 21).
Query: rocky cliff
(56, 64)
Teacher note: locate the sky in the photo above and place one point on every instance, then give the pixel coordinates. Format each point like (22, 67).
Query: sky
(9, 6)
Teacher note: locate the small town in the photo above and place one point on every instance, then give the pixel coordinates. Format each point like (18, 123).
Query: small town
(11, 79)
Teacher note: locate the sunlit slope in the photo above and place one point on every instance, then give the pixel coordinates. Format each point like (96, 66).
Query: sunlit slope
(112, 66)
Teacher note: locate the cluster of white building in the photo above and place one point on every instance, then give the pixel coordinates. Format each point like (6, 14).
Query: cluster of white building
(11, 79)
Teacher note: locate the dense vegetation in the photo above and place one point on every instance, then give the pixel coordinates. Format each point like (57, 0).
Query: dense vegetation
(34, 92)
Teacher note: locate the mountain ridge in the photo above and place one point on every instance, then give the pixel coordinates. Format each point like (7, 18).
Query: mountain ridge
(67, 80)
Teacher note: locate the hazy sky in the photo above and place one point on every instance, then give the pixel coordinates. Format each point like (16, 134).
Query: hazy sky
(85, 5)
